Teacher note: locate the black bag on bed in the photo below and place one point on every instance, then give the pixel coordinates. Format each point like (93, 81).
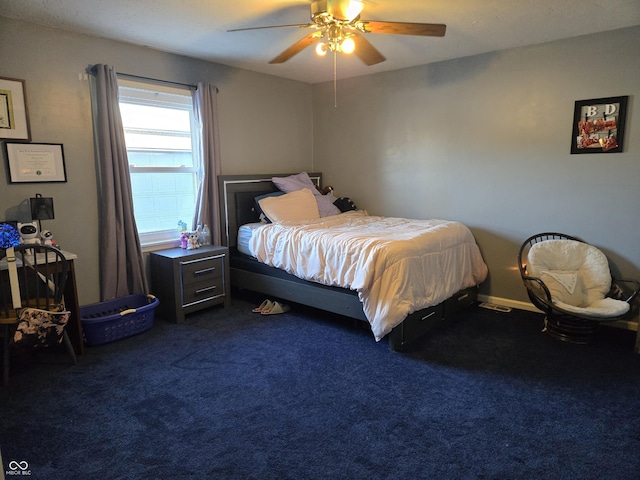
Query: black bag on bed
(345, 204)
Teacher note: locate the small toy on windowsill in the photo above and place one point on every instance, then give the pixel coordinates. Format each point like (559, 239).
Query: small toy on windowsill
(192, 240)
(205, 236)
(182, 228)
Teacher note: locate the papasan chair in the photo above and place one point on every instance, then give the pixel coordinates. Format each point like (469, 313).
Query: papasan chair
(571, 282)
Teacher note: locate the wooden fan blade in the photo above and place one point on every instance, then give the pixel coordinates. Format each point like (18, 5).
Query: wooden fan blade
(405, 28)
(295, 48)
(367, 52)
(299, 25)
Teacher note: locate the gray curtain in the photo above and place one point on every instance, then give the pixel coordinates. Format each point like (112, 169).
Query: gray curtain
(206, 112)
(122, 270)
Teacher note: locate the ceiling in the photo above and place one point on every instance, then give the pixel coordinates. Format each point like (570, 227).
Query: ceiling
(198, 28)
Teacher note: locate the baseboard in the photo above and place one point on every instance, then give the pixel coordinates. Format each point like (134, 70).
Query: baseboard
(517, 304)
(626, 324)
(528, 306)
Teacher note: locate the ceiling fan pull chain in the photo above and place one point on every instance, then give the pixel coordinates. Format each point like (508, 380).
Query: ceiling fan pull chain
(335, 79)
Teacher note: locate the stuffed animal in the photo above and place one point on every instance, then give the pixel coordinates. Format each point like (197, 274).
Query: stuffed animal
(325, 190)
(184, 239)
(29, 233)
(47, 238)
(192, 240)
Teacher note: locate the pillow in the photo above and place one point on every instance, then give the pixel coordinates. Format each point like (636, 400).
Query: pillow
(302, 180)
(565, 286)
(295, 182)
(267, 195)
(326, 206)
(257, 199)
(298, 205)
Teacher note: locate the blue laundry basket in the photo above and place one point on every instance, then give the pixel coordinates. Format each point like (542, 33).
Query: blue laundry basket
(123, 317)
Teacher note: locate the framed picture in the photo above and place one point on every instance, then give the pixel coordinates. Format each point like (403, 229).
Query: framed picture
(598, 125)
(35, 162)
(14, 117)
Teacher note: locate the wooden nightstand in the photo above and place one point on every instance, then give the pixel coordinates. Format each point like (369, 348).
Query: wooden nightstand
(187, 281)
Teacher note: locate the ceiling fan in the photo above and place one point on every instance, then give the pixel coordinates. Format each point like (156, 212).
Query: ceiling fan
(338, 28)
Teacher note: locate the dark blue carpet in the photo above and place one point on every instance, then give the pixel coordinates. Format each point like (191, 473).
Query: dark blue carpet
(235, 395)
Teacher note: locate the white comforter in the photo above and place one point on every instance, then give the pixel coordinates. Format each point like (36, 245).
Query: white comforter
(396, 265)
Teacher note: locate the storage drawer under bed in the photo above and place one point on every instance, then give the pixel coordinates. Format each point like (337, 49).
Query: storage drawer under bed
(462, 299)
(420, 322)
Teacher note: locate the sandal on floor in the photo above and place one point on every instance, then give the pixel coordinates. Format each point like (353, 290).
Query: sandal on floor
(264, 306)
(276, 309)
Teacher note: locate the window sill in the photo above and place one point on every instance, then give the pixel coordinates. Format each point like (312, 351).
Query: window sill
(161, 245)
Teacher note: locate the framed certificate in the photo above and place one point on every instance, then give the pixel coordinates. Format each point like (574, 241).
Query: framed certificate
(36, 162)
(14, 117)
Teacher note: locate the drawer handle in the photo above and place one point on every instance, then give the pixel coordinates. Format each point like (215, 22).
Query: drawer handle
(204, 271)
(427, 316)
(200, 291)
(462, 297)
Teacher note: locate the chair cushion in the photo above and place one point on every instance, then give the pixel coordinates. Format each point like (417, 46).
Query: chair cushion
(577, 275)
(40, 327)
(605, 308)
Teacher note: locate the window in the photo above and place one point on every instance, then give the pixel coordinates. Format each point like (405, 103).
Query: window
(158, 132)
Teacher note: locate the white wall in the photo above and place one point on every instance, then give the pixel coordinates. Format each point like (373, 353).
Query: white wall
(265, 122)
(485, 140)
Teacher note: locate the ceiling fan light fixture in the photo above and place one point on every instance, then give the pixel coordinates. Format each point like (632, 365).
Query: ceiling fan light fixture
(348, 45)
(338, 26)
(322, 49)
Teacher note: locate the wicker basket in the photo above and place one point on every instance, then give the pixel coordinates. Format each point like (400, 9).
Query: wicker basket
(123, 317)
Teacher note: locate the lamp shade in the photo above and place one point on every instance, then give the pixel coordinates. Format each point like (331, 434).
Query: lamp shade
(41, 208)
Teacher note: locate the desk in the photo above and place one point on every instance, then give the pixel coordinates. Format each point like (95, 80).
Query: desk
(74, 326)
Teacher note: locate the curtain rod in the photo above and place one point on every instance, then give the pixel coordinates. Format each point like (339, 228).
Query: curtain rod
(92, 69)
(155, 80)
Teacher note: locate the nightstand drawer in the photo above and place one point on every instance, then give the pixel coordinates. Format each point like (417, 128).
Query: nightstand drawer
(202, 292)
(205, 269)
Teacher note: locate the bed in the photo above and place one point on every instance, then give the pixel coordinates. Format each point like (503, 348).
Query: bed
(238, 209)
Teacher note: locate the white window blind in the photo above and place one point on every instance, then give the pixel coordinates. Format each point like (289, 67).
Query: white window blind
(158, 126)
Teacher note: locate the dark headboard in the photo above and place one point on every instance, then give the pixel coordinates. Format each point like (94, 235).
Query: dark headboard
(237, 204)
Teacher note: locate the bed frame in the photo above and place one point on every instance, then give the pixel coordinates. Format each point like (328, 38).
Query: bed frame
(237, 207)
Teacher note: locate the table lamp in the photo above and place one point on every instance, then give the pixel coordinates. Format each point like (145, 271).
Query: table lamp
(41, 209)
